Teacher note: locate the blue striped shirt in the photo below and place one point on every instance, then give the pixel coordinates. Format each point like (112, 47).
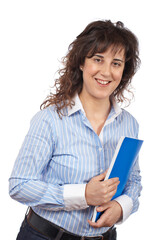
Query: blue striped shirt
(61, 153)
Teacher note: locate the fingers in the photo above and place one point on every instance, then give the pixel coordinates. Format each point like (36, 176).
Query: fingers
(103, 220)
(103, 207)
(101, 176)
(113, 187)
(112, 181)
(109, 188)
(98, 192)
(112, 214)
(110, 185)
(93, 224)
(100, 223)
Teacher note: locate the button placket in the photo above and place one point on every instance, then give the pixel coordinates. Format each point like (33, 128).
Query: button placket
(101, 159)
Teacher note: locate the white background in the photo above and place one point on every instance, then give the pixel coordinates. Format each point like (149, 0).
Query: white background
(35, 35)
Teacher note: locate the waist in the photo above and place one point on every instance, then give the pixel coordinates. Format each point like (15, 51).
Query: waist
(55, 232)
(73, 221)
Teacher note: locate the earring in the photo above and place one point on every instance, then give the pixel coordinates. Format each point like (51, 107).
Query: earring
(81, 68)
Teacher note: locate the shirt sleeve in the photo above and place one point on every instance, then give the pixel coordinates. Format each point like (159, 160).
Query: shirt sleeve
(126, 204)
(133, 186)
(74, 196)
(28, 182)
(129, 200)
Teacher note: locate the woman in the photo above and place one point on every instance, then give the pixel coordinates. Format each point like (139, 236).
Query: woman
(69, 146)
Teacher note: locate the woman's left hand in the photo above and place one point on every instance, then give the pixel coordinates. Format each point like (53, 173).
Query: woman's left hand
(112, 214)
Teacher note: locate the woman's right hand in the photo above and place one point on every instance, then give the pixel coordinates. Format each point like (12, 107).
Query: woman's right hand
(98, 191)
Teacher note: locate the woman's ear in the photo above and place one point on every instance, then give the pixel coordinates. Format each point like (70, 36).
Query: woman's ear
(81, 68)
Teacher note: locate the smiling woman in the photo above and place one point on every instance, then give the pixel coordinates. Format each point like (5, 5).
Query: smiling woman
(96, 38)
(70, 144)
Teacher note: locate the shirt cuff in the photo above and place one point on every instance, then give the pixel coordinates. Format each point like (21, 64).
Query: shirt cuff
(74, 197)
(126, 204)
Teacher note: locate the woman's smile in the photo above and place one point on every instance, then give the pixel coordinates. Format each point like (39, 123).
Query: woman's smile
(102, 82)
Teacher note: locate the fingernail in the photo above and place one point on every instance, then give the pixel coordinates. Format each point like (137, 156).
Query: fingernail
(99, 209)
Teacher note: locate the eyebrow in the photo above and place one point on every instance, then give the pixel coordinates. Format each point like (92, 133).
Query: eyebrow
(100, 56)
(115, 59)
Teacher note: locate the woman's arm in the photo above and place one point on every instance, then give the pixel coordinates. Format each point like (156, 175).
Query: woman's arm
(29, 183)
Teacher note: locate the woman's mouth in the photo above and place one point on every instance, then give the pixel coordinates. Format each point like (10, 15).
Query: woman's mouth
(102, 82)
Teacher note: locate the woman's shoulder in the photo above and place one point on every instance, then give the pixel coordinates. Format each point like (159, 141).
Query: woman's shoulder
(129, 117)
(47, 114)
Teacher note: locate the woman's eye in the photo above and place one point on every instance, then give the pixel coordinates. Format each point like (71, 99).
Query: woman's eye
(97, 60)
(116, 64)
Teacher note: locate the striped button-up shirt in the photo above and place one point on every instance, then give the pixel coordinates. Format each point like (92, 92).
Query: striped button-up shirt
(60, 156)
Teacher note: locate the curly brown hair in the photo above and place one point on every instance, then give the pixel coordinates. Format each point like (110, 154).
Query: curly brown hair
(97, 37)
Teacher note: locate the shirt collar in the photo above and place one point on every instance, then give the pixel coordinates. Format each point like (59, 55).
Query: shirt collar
(115, 107)
(115, 110)
(76, 107)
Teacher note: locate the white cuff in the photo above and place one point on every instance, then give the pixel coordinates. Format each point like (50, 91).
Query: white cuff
(74, 197)
(126, 204)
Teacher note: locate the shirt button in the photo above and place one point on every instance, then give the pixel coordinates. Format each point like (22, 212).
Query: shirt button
(101, 170)
(100, 149)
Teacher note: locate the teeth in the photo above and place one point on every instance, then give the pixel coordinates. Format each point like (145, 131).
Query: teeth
(102, 82)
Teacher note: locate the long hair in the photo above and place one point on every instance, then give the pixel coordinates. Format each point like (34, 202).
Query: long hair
(97, 37)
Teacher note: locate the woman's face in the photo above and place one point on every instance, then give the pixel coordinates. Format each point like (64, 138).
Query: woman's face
(102, 74)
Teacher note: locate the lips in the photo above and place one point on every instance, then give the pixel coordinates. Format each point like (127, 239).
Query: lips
(102, 82)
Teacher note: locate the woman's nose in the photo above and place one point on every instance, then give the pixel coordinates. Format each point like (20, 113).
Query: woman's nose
(106, 70)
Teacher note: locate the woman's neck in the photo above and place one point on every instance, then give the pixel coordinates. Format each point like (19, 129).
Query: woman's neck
(96, 109)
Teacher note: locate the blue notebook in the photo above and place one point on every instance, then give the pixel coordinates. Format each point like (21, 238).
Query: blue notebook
(125, 154)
